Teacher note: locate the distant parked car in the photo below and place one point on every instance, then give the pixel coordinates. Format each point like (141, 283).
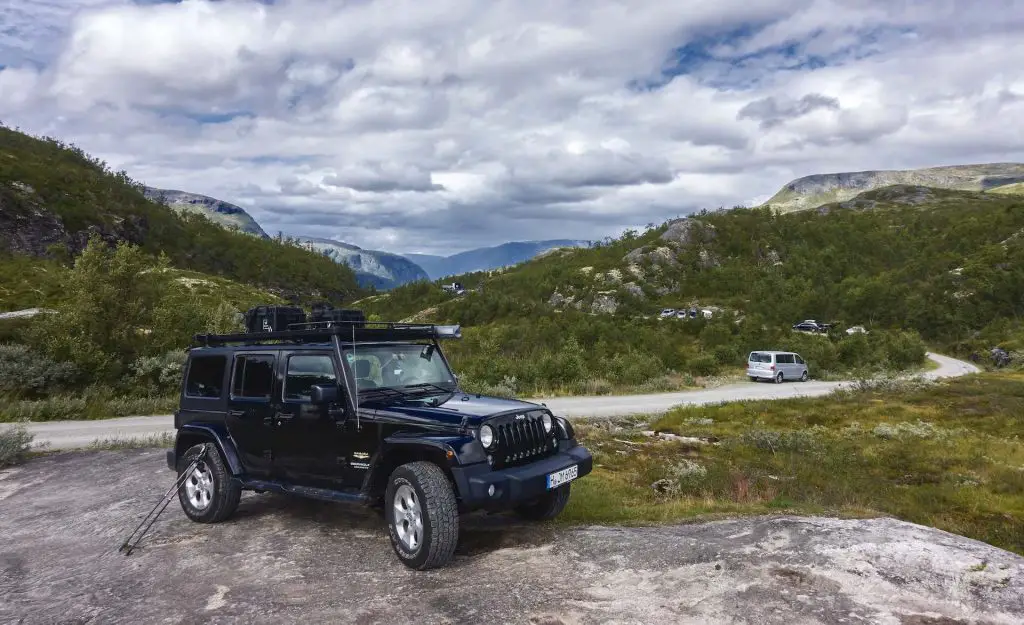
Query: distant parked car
(776, 366)
(810, 325)
(856, 330)
(668, 312)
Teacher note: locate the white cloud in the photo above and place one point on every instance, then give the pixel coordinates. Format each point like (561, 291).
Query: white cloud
(442, 125)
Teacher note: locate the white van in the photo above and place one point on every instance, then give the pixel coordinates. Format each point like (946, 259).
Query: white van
(776, 366)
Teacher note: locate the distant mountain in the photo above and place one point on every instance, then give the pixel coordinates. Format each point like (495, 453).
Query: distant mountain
(218, 211)
(813, 191)
(382, 270)
(486, 258)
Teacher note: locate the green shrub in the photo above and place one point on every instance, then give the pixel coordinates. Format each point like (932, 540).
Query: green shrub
(704, 365)
(15, 442)
(158, 374)
(905, 350)
(28, 373)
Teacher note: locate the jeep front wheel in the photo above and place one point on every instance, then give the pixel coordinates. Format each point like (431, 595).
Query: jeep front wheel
(547, 507)
(209, 494)
(422, 515)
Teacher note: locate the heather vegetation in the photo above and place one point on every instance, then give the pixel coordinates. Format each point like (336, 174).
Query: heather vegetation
(946, 455)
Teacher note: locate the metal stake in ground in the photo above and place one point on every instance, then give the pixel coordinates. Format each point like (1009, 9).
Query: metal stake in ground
(127, 546)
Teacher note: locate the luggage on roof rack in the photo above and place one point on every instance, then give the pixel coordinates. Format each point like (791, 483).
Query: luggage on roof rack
(325, 315)
(273, 318)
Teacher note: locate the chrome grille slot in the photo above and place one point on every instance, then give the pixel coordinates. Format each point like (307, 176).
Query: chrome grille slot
(520, 440)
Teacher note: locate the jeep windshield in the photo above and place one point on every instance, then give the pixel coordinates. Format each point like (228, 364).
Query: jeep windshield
(400, 371)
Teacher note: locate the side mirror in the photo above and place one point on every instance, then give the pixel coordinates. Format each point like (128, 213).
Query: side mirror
(323, 393)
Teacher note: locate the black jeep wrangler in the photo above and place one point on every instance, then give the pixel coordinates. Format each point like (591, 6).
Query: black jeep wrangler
(365, 412)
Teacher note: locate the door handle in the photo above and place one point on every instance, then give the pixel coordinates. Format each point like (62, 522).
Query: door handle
(236, 413)
(284, 416)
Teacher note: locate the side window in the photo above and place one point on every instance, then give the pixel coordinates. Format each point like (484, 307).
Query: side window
(205, 376)
(784, 359)
(305, 371)
(799, 360)
(253, 377)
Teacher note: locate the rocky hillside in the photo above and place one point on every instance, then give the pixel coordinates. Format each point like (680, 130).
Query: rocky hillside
(54, 197)
(487, 258)
(220, 212)
(381, 270)
(945, 263)
(813, 191)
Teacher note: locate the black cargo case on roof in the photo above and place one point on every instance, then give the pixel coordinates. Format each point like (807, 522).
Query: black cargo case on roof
(273, 318)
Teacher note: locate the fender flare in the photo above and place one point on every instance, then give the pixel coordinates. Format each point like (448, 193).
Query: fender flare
(215, 433)
(437, 446)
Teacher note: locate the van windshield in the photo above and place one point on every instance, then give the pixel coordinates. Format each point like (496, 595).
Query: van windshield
(759, 357)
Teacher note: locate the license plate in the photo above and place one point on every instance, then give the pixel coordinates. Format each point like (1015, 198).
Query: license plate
(558, 478)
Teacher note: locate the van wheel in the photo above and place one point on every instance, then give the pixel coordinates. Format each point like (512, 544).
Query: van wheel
(778, 378)
(209, 494)
(803, 376)
(422, 515)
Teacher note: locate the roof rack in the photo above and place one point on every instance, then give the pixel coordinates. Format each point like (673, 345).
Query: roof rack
(324, 331)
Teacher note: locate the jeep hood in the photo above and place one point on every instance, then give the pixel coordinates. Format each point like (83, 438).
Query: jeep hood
(451, 408)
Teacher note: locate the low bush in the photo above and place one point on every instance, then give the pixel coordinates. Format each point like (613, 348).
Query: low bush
(15, 442)
(27, 373)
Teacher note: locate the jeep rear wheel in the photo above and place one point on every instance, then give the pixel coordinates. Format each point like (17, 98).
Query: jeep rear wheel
(547, 507)
(422, 515)
(209, 494)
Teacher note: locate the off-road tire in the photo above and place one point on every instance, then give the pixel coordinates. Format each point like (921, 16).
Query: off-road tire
(547, 507)
(226, 490)
(438, 511)
(778, 378)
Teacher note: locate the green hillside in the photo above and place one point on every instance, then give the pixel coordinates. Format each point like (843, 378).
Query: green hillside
(53, 197)
(906, 262)
(123, 282)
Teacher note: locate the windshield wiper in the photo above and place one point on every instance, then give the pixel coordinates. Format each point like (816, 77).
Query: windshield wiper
(427, 385)
(387, 391)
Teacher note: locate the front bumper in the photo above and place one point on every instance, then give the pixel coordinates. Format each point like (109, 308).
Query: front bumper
(516, 485)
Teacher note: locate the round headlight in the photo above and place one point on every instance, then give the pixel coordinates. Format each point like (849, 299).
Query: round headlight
(548, 423)
(486, 436)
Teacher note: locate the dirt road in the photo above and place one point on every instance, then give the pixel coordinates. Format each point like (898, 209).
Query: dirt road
(78, 434)
(282, 560)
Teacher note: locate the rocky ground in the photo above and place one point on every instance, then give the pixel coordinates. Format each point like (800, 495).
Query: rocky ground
(288, 560)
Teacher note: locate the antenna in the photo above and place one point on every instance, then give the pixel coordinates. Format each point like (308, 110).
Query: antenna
(353, 327)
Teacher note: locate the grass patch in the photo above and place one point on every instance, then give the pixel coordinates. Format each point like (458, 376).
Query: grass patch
(165, 439)
(84, 407)
(945, 455)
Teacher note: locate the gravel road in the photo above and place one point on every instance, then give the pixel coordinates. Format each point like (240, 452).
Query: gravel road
(79, 434)
(283, 560)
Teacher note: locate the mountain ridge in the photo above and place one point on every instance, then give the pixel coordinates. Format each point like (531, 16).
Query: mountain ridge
(488, 258)
(220, 212)
(810, 192)
(376, 268)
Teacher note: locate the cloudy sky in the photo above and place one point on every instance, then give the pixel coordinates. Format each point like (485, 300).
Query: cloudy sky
(438, 126)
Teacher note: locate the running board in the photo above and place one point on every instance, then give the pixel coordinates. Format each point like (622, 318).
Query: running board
(324, 494)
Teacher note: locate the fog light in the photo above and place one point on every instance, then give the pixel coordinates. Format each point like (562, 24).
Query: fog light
(490, 490)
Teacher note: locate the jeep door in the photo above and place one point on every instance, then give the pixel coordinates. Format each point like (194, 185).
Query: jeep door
(309, 446)
(251, 408)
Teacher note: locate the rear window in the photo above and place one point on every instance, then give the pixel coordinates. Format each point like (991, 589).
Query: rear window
(253, 377)
(205, 376)
(759, 357)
